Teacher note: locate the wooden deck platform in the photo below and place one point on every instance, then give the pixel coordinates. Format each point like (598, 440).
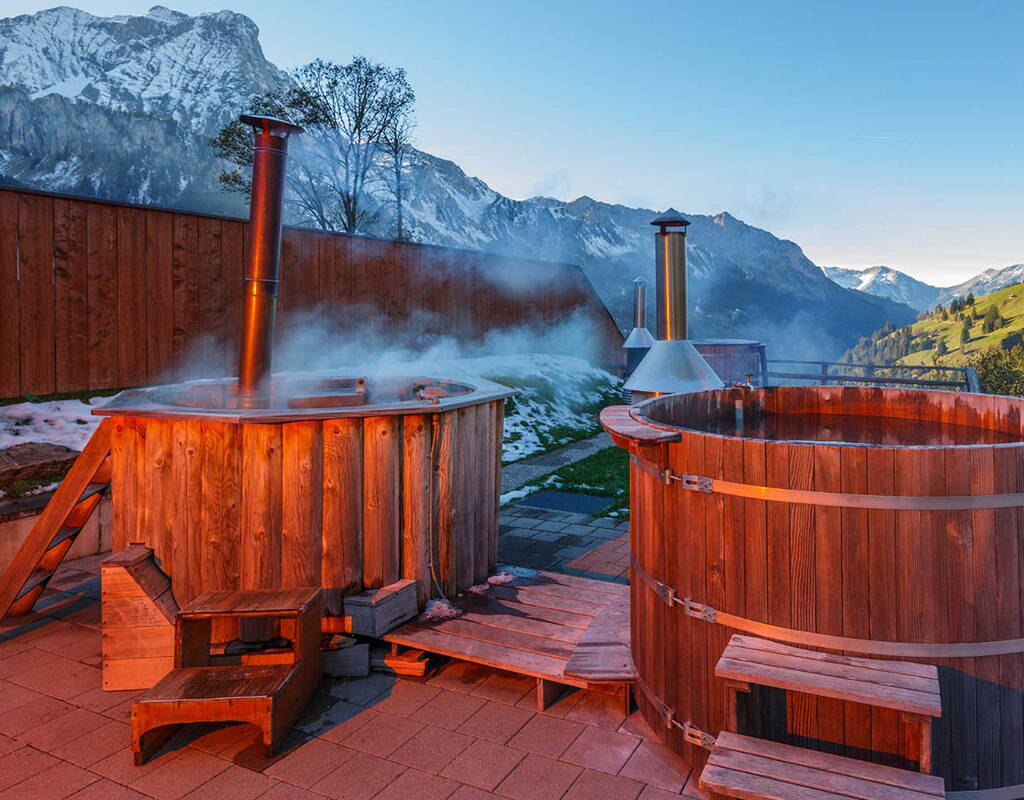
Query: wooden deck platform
(562, 630)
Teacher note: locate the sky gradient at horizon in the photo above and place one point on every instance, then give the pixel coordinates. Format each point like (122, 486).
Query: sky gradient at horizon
(869, 133)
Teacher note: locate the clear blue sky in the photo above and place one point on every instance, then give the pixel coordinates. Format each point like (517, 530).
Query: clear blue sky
(867, 132)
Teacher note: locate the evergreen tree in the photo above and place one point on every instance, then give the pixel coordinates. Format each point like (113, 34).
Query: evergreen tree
(965, 332)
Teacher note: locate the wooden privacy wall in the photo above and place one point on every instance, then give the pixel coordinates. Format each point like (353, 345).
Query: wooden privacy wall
(97, 295)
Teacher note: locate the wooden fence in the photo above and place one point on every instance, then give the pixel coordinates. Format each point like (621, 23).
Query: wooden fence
(97, 295)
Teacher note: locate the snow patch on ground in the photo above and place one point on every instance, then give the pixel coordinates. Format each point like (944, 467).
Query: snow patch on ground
(439, 610)
(64, 422)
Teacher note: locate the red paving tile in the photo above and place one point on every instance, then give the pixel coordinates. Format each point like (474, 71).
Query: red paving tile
(234, 783)
(63, 729)
(472, 793)
(285, 791)
(432, 749)
(559, 708)
(658, 766)
(74, 678)
(12, 696)
(546, 736)
(310, 762)
(605, 751)
(496, 722)
(654, 793)
(96, 745)
(350, 719)
(31, 715)
(505, 687)
(593, 785)
(177, 778)
(382, 735)
(483, 765)
(448, 710)
(54, 783)
(103, 789)
(460, 676)
(538, 778)
(22, 763)
(405, 698)
(362, 777)
(120, 767)
(99, 701)
(415, 785)
(600, 709)
(28, 659)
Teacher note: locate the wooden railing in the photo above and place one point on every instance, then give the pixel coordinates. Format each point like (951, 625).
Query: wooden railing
(98, 295)
(837, 373)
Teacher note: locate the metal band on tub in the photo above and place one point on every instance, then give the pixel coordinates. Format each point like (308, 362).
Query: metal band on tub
(872, 647)
(881, 502)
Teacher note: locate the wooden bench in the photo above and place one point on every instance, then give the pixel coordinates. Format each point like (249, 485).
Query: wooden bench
(755, 769)
(268, 689)
(911, 689)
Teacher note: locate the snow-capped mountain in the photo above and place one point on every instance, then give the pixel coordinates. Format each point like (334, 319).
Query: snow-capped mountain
(888, 283)
(121, 108)
(989, 280)
(901, 288)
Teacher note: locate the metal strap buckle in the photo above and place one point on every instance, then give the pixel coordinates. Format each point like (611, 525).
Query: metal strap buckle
(694, 735)
(699, 610)
(696, 483)
(666, 593)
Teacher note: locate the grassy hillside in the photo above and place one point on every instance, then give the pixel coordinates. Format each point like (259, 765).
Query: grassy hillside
(993, 320)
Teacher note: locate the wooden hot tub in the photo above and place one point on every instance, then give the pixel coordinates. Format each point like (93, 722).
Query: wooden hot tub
(305, 493)
(882, 516)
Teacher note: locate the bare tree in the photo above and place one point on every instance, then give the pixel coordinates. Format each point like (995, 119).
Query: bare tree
(346, 111)
(397, 144)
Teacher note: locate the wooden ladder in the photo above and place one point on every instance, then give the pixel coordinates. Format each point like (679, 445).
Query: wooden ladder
(58, 526)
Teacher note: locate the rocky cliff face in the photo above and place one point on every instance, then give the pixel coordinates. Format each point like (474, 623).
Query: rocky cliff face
(121, 108)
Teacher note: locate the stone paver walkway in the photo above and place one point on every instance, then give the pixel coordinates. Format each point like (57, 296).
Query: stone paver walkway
(467, 733)
(519, 473)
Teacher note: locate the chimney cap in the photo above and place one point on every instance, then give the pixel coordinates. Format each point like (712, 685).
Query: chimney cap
(272, 125)
(670, 219)
(640, 280)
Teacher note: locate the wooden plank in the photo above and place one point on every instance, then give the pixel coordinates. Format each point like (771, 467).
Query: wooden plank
(261, 507)
(70, 283)
(510, 608)
(159, 297)
(528, 596)
(233, 247)
(157, 501)
(828, 576)
(185, 289)
(131, 296)
(123, 674)
(187, 531)
(603, 653)
(302, 545)
(465, 463)
(127, 454)
(925, 674)
(219, 524)
(342, 540)
(497, 616)
(382, 447)
(101, 269)
(10, 347)
(801, 709)
(445, 503)
(503, 637)
(36, 294)
(212, 298)
(417, 474)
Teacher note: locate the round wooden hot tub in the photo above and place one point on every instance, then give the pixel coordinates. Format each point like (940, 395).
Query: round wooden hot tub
(881, 516)
(314, 490)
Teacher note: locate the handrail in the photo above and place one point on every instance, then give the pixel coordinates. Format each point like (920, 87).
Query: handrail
(909, 367)
(964, 379)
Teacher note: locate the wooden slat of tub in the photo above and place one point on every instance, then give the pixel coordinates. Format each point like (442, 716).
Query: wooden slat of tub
(828, 568)
(690, 570)
(499, 437)
(445, 498)
(187, 531)
(221, 545)
(185, 288)
(71, 295)
(983, 616)
(382, 447)
(261, 506)
(716, 636)
(417, 469)
(342, 540)
(777, 474)
(755, 524)
(465, 466)
(302, 515)
(35, 293)
(802, 710)
(856, 590)
(159, 295)
(157, 497)
(10, 344)
(1009, 478)
(882, 613)
(127, 448)
(479, 478)
(734, 544)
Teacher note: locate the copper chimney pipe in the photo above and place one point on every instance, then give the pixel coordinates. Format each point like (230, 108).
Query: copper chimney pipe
(269, 158)
(670, 273)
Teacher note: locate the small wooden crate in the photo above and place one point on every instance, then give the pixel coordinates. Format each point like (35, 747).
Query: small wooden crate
(376, 611)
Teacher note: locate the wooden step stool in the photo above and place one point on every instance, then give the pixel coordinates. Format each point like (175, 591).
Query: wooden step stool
(268, 690)
(745, 767)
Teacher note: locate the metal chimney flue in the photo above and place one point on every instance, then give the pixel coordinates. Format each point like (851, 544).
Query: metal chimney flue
(672, 364)
(266, 207)
(639, 340)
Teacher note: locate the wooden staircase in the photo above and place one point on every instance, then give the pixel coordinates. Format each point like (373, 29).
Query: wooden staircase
(58, 526)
